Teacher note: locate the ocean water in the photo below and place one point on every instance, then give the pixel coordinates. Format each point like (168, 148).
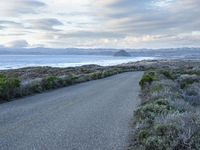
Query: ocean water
(20, 61)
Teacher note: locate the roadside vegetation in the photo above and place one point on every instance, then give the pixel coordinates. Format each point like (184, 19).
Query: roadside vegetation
(8, 87)
(169, 117)
(28, 81)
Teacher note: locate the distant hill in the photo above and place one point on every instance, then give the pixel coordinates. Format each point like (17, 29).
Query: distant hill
(186, 53)
(122, 53)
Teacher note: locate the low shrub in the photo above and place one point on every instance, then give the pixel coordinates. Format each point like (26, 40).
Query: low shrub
(70, 79)
(85, 70)
(150, 110)
(96, 75)
(186, 80)
(156, 137)
(51, 83)
(181, 105)
(107, 73)
(147, 78)
(8, 87)
(35, 88)
(167, 74)
(191, 94)
(172, 131)
(169, 118)
(188, 124)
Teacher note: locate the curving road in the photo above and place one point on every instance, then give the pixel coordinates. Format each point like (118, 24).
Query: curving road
(90, 116)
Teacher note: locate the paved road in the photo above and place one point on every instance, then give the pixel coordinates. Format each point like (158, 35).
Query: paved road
(88, 116)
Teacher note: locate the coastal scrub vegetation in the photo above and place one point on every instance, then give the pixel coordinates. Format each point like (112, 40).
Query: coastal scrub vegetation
(169, 117)
(28, 81)
(8, 87)
(147, 78)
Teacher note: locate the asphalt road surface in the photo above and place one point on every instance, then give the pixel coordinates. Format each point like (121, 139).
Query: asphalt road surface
(95, 115)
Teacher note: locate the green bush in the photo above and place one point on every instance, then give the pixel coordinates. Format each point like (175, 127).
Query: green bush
(149, 111)
(8, 87)
(167, 74)
(185, 83)
(70, 79)
(36, 88)
(147, 78)
(106, 73)
(154, 143)
(156, 88)
(168, 130)
(84, 70)
(51, 83)
(157, 137)
(143, 135)
(96, 75)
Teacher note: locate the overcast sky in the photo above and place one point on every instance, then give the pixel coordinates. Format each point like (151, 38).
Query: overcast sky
(100, 23)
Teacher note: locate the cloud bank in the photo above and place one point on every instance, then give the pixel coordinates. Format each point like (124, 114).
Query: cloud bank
(110, 23)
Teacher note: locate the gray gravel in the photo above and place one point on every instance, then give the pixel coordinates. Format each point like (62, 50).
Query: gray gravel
(88, 116)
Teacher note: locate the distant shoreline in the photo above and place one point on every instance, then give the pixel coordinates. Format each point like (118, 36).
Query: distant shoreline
(62, 61)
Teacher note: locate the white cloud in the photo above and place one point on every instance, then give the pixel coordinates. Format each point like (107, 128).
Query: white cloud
(11, 8)
(43, 24)
(17, 44)
(162, 3)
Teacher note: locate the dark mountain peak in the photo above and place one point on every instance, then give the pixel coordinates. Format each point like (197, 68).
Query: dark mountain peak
(122, 53)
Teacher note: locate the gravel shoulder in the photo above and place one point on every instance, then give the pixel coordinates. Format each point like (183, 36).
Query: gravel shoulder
(90, 116)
